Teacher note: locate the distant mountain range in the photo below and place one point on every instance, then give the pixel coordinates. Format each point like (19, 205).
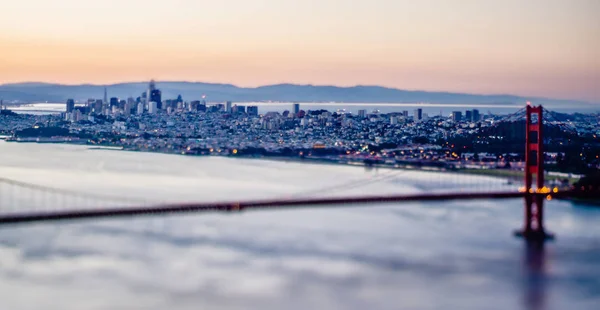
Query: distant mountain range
(41, 92)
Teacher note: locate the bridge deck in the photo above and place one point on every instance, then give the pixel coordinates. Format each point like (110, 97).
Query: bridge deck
(264, 204)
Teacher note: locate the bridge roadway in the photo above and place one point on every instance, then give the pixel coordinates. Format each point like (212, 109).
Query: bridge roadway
(39, 216)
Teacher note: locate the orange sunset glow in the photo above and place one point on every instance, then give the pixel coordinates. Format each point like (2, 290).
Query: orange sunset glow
(539, 48)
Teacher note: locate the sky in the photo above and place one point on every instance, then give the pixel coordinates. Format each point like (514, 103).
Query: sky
(544, 48)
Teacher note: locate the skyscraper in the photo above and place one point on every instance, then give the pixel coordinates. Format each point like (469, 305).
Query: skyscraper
(98, 106)
(228, 107)
(457, 116)
(70, 105)
(296, 108)
(154, 95)
(475, 115)
(105, 96)
(468, 115)
(152, 107)
(418, 115)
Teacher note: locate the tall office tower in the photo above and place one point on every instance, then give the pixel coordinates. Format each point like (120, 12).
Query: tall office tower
(70, 105)
(476, 116)
(154, 94)
(296, 108)
(98, 106)
(362, 113)
(140, 108)
(418, 115)
(105, 96)
(468, 115)
(152, 107)
(405, 114)
(228, 107)
(457, 116)
(393, 120)
(252, 110)
(114, 102)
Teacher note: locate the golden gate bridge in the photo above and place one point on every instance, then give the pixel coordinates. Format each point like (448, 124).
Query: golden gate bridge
(73, 205)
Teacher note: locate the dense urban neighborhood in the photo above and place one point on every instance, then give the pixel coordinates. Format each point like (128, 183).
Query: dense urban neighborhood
(464, 139)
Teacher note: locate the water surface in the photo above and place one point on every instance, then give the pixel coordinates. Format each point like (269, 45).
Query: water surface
(455, 255)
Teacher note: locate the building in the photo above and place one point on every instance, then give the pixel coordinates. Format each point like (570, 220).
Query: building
(456, 116)
(296, 108)
(468, 116)
(405, 114)
(362, 113)
(252, 110)
(154, 95)
(98, 107)
(228, 107)
(76, 115)
(393, 120)
(193, 106)
(140, 108)
(475, 115)
(114, 102)
(418, 115)
(70, 105)
(238, 109)
(152, 107)
(105, 96)
(130, 108)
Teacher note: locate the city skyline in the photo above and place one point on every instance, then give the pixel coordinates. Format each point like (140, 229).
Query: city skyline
(533, 48)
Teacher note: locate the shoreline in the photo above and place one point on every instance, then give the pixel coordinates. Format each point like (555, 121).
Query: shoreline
(505, 174)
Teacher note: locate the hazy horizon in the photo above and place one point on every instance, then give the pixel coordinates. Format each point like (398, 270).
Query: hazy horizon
(527, 48)
(298, 84)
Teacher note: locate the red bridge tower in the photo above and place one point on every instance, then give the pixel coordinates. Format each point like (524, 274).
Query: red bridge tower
(534, 165)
